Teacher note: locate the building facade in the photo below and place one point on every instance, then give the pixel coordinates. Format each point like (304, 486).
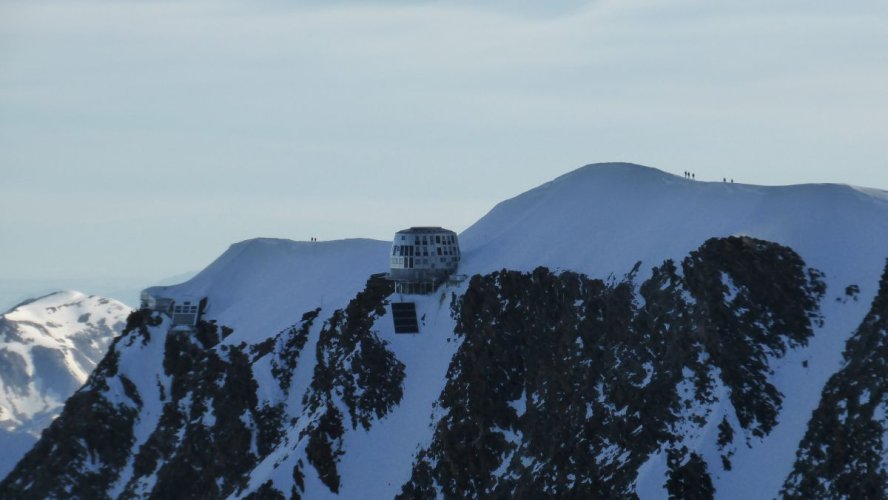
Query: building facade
(422, 258)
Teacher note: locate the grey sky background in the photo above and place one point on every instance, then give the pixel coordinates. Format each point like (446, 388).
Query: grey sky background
(138, 139)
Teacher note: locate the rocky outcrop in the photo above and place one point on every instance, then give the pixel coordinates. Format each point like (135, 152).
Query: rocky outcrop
(355, 376)
(564, 385)
(843, 453)
(213, 428)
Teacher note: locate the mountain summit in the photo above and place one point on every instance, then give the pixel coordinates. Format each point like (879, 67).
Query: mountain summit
(623, 333)
(602, 218)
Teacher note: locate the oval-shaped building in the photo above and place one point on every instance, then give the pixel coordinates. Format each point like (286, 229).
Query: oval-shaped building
(422, 258)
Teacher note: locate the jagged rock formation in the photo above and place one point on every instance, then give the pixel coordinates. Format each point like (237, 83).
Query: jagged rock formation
(354, 370)
(212, 428)
(843, 454)
(564, 385)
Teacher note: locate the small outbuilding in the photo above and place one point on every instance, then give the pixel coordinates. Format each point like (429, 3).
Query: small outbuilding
(183, 311)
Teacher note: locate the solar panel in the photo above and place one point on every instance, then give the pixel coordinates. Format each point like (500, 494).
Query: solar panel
(404, 316)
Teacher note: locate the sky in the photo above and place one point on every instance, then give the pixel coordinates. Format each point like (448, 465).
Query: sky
(139, 139)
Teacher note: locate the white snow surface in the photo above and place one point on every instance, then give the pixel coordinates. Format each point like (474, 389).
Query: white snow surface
(48, 348)
(603, 218)
(600, 220)
(261, 286)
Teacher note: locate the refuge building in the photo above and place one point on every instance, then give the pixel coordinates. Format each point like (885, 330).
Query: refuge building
(422, 258)
(184, 312)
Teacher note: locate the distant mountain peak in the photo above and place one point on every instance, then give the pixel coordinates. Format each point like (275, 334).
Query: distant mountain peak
(48, 347)
(64, 310)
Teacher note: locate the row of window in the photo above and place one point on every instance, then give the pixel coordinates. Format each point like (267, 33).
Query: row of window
(447, 239)
(185, 309)
(408, 262)
(412, 250)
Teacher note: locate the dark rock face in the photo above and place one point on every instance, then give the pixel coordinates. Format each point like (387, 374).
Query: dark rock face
(353, 368)
(843, 452)
(564, 385)
(289, 347)
(203, 456)
(688, 478)
(770, 310)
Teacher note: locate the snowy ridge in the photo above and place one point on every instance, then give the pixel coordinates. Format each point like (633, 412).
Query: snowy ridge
(259, 286)
(603, 218)
(299, 357)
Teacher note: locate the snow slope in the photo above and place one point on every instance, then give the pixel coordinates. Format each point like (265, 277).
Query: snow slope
(603, 218)
(261, 286)
(48, 347)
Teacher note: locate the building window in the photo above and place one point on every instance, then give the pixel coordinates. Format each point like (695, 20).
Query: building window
(438, 239)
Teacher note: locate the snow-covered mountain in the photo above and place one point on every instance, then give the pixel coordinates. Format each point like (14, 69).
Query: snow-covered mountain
(677, 342)
(48, 348)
